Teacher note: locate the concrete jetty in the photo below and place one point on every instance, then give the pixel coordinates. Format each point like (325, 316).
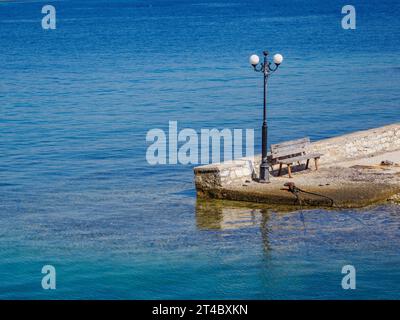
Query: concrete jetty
(356, 170)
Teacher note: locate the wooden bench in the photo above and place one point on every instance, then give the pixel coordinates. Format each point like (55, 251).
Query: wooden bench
(290, 152)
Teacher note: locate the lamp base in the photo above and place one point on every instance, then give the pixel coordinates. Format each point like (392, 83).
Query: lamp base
(264, 173)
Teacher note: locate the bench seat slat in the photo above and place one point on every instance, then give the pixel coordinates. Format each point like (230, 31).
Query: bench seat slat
(299, 146)
(288, 152)
(299, 158)
(290, 148)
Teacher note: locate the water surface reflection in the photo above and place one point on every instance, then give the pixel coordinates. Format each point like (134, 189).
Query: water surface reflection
(229, 215)
(292, 227)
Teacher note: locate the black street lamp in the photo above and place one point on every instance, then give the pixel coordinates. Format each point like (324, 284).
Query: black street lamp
(267, 70)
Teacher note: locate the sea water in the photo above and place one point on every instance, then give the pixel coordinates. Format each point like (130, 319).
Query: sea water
(76, 191)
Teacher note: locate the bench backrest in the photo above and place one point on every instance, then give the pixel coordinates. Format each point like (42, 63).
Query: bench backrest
(289, 148)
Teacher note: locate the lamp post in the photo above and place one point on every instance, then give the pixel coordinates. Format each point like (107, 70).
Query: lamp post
(266, 68)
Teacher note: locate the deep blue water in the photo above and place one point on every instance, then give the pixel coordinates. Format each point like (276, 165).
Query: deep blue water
(76, 103)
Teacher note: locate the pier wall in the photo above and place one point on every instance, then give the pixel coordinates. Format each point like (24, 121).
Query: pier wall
(360, 144)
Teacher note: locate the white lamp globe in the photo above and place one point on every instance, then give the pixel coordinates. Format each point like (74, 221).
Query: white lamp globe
(278, 59)
(254, 60)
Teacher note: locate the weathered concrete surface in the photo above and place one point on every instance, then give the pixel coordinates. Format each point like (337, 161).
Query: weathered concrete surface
(350, 174)
(347, 187)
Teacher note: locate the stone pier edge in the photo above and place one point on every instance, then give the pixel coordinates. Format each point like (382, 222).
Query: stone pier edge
(210, 179)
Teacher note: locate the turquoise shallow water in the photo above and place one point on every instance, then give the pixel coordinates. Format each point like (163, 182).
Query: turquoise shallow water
(75, 188)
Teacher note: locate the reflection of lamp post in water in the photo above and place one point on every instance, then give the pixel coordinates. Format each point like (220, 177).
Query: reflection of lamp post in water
(265, 216)
(266, 69)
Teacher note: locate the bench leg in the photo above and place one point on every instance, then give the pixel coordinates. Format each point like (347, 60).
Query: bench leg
(316, 163)
(308, 162)
(289, 169)
(280, 169)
